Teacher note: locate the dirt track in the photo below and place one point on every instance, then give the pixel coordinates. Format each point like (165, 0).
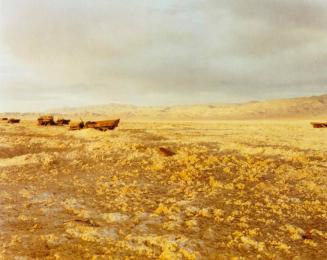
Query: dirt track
(246, 189)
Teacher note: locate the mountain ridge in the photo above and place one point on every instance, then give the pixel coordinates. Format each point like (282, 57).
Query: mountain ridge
(303, 107)
(314, 107)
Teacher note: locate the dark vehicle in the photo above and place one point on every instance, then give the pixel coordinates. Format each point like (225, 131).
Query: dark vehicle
(13, 121)
(62, 122)
(76, 125)
(319, 125)
(46, 120)
(103, 125)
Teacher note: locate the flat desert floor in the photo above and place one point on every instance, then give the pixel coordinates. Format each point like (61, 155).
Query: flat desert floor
(233, 190)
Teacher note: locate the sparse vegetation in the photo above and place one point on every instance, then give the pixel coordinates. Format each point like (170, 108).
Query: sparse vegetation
(232, 190)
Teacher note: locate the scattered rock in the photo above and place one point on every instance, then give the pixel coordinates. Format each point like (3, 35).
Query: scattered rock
(307, 234)
(166, 152)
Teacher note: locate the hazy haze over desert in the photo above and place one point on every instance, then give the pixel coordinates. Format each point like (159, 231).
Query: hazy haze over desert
(214, 155)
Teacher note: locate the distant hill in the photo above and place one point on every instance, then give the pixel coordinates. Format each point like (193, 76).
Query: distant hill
(294, 108)
(297, 108)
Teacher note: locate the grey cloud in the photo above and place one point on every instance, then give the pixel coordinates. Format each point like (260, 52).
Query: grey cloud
(186, 51)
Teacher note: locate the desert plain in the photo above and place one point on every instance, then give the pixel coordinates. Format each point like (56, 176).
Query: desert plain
(250, 189)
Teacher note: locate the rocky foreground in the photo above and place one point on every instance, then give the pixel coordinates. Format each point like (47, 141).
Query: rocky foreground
(246, 189)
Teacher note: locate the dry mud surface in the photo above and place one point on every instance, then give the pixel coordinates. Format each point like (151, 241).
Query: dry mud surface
(234, 190)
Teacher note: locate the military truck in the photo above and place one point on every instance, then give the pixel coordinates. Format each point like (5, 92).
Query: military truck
(13, 121)
(319, 125)
(46, 120)
(62, 121)
(76, 125)
(103, 125)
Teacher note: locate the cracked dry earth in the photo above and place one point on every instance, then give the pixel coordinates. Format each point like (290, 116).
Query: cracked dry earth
(234, 190)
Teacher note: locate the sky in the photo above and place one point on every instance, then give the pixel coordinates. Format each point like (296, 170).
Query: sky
(59, 53)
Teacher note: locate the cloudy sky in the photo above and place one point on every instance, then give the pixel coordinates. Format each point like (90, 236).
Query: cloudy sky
(56, 53)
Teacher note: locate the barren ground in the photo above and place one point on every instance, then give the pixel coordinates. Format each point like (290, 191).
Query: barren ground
(234, 189)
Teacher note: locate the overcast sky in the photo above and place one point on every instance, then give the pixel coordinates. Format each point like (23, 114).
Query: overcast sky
(56, 53)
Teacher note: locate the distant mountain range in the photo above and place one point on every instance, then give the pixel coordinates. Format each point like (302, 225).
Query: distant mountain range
(314, 107)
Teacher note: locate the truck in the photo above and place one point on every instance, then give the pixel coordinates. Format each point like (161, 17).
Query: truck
(319, 124)
(46, 120)
(13, 121)
(103, 125)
